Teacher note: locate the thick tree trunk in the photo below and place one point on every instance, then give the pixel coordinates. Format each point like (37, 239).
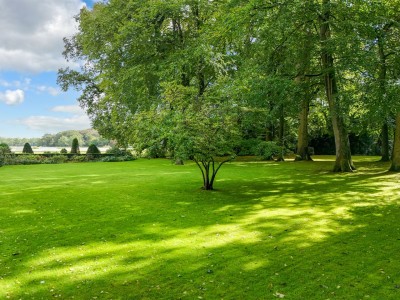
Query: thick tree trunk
(395, 167)
(281, 134)
(302, 140)
(382, 91)
(343, 161)
(385, 142)
(302, 152)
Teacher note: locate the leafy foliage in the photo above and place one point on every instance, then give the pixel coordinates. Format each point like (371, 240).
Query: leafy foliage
(27, 149)
(75, 146)
(155, 68)
(61, 139)
(268, 150)
(118, 154)
(156, 81)
(5, 153)
(92, 152)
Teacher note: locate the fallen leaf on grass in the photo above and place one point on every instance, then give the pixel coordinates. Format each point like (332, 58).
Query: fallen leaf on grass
(279, 295)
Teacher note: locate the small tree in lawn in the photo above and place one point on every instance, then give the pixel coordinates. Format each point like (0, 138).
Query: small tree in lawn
(209, 140)
(205, 131)
(75, 146)
(27, 149)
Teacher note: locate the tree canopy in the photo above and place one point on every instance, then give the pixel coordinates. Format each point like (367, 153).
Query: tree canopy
(198, 77)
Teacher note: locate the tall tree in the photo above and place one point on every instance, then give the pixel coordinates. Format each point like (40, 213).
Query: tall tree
(138, 56)
(343, 161)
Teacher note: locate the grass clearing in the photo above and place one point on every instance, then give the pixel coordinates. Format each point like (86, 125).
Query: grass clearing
(144, 230)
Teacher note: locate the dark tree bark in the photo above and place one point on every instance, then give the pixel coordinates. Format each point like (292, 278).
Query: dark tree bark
(343, 161)
(302, 152)
(209, 169)
(302, 140)
(382, 92)
(270, 133)
(385, 143)
(281, 133)
(395, 166)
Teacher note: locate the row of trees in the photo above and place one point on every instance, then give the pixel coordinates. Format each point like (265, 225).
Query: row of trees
(61, 139)
(198, 76)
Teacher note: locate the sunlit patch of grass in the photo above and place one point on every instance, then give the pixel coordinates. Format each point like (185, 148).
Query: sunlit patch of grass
(145, 230)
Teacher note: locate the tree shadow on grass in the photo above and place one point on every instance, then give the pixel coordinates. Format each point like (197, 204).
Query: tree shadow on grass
(310, 235)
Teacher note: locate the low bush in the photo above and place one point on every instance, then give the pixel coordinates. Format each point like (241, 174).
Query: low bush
(247, 147)
(27, 159)
(5, 153)
(118, 155)
(27, 149)
(56, 159)
(117, 151)
(78, 158)
(92, 152)
(113, 158)
(267, 150)
(155, 151)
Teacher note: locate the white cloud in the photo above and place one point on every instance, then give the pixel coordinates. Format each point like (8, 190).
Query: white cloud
(4, 83)
(54, 124)
(32, 33)
(75, 109)
(48, 89)
(15, 83)
(10, 97)
(77, 120)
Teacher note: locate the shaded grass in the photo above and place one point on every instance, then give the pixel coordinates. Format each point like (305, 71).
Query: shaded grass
(145, 230)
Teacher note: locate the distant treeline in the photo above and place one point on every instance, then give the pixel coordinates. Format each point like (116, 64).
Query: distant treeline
(61, 139)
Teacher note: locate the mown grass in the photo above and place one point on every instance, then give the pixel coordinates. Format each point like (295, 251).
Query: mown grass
(144, 230)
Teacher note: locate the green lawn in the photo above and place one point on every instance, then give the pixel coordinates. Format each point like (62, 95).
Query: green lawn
(145, 230)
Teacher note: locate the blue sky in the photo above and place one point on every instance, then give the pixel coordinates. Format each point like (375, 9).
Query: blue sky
(31, 45)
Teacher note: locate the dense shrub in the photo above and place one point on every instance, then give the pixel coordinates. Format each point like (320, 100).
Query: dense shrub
(5, 153)
(5, 148)
(247, 147)
(63, 151)
(27, 149)
(92, 152)
(56, 159)
(267, 150)
(118, 152)
(27, 159)
(75, 146)
(113, 158)
(155, 151)
(78, 158)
